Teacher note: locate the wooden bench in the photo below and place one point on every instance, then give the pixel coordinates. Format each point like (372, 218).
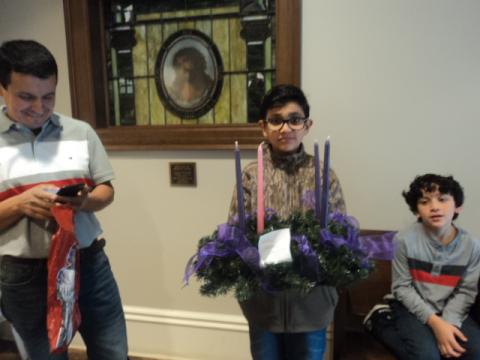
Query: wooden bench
(350, 340)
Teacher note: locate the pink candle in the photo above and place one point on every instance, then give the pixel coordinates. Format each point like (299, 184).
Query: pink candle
(260, 206)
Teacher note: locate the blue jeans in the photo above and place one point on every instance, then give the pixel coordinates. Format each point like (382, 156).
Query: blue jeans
(266, 345)
(409, 338)
(24, 304)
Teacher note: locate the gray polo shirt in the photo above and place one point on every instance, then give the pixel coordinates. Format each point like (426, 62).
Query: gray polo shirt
(66, 150)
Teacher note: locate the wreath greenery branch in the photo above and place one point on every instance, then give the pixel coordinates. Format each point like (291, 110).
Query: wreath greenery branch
(332, 256)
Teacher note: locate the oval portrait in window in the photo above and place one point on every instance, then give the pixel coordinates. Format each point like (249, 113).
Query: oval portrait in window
(188, 73)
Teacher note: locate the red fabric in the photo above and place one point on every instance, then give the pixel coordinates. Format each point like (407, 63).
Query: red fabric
(63, 313)
(60, 183)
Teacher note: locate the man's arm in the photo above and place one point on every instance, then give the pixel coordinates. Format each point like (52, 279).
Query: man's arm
(90, 200)
(34, 203)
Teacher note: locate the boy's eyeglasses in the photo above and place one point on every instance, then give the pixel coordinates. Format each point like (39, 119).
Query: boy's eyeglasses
(294, 123)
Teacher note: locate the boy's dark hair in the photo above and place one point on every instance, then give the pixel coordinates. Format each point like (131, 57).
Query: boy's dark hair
(429, 183)
(25, 57)
(280, 95)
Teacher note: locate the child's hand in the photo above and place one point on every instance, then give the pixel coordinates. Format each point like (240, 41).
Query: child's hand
(447, 335)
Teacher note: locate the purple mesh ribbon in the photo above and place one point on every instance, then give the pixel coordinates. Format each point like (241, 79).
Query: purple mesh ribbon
(346, 222)
(310, 264)
(379, 247)
(350, 241)
(230, 241)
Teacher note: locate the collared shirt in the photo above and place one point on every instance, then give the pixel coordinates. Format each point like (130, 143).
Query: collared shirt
(64, 152)
(431, 278)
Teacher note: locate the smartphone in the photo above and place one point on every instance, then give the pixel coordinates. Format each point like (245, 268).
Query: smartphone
(71, 190)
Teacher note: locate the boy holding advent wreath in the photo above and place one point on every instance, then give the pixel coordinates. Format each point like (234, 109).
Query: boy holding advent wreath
(287, 324)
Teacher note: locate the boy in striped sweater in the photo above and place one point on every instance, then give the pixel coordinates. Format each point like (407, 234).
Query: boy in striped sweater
(435, 274)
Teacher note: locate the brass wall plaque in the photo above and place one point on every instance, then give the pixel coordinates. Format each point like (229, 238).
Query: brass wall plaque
(183, 174)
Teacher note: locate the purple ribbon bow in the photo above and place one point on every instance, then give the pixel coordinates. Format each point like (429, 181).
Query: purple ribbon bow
(379, 247)
(350, 240)
(230, 240)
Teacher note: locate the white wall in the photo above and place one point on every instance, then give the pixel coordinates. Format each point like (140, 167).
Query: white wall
(394, 82)
(42, 21)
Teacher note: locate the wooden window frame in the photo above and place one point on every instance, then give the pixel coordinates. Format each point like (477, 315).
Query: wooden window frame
(85, 33)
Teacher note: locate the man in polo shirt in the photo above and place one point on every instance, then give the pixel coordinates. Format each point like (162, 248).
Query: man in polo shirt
(41, 151)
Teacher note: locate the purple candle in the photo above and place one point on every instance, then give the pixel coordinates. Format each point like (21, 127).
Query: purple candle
(260, 205)
(238, 176)
(325, 185)
(317, 179)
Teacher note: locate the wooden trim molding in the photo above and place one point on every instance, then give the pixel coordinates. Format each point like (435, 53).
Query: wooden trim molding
(85, 32)
(178, 137)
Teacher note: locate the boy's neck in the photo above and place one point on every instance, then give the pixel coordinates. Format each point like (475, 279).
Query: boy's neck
(444, 236)
(284, 154)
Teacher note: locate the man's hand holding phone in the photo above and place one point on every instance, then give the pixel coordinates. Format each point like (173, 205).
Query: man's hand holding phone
(37, 201)
(75, 195)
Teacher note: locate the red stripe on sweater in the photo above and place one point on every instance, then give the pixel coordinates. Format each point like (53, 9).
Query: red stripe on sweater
(60, 183)
(445, 280)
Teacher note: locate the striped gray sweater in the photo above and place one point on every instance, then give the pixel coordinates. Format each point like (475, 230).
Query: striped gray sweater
(431, 278)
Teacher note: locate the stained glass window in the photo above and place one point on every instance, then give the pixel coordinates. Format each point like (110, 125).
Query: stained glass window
(155, 48)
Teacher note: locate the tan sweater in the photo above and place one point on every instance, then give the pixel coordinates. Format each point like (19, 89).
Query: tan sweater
(286, 180)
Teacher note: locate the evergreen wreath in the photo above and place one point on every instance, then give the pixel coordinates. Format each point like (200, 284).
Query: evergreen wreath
(228, 260)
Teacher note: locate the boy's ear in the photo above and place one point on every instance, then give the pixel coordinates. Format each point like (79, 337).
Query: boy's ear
(263, 126)
(417, 215)
(308, 124)
(459, 209)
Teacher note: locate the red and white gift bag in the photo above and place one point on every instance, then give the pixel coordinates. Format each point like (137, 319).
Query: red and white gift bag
(63, 313)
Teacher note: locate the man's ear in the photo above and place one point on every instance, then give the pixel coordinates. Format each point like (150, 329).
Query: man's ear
(2, 90)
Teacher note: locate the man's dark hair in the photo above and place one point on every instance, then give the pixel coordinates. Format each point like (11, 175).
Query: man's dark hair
(280, 95)
(430, 183)
(26, 57)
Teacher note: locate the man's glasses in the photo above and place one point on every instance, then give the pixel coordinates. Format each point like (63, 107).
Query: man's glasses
(294, 123)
